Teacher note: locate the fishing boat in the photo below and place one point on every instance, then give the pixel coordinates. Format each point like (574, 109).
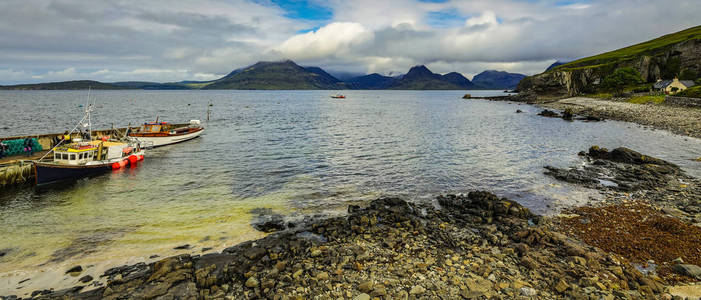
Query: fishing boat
(158, 134)
(338, 96)
(86, 158)
(77, 158)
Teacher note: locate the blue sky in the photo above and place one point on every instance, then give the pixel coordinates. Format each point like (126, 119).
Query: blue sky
(163, 40)
(305, 10)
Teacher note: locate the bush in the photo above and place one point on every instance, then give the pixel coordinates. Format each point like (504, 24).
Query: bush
(619, 79)
(692, 92)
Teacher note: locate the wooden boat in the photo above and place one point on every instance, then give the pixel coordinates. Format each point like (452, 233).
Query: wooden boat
(338, 96)
(156, 134)
(81, 159)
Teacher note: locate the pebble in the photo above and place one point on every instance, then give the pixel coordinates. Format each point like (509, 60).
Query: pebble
(252, 282)
(417, 290)
(528, 291)
(362, 296)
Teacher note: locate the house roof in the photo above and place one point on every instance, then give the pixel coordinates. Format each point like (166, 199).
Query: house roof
(661, 84)
(688, 83)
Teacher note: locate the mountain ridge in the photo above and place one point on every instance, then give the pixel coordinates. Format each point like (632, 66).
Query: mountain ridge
(287, 75)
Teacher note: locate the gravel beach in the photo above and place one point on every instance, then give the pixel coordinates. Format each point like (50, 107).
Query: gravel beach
(640, 243)
(680, 120)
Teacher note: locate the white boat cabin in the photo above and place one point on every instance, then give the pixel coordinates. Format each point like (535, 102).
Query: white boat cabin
(81, 153)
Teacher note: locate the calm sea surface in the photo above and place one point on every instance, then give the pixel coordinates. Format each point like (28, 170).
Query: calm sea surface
(297, 153)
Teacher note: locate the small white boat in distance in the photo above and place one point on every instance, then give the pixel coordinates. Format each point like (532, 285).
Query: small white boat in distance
(156, 134)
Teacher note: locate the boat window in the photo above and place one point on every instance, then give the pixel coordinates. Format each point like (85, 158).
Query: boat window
(72, 156)
(57, 156)
(65, 156)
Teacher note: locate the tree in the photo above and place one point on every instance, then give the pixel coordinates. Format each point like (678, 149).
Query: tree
(621, 78)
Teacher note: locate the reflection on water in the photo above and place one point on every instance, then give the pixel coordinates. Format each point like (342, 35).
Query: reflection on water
(293, 152)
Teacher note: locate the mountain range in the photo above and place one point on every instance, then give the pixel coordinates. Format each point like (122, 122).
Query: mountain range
(287, 75)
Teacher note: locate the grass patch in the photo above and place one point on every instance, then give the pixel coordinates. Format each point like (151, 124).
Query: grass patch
(656, 99)
(600, 95)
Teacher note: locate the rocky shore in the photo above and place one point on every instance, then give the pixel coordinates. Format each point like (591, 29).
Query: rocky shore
(680, 120)
(638, 244)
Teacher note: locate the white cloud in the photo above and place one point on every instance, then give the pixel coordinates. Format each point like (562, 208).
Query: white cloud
(487, 18)
(334, 40)
(162, 40)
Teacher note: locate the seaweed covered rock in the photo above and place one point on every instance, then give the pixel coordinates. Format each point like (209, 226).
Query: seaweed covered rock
(621, 169)
(484, 205)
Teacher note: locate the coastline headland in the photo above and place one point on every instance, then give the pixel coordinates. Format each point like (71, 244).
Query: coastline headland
(474, 246)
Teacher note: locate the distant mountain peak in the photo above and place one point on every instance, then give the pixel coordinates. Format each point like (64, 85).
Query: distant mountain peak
(419, 70)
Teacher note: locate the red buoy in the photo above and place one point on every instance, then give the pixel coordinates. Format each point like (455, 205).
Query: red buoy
(115, 166)
(141, 157)
(132, 159)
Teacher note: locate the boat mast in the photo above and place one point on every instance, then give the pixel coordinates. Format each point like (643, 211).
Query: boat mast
(87, 112)
(86, 116)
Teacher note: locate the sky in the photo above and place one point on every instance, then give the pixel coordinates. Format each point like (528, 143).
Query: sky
(167, 40)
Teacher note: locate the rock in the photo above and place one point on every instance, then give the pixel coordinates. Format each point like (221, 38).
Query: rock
(678, 260)
(267, 221)
(252, 282)
(322, 276)
(316, 253)
(379, 291)
(362, 296)
(417, 290)
(254, 253)
(366, 286)
(549, 114)
(74, 271)
(561, 286)
(85, 279)
(182, 247)
(692, 271)
(518, 111)
(568, 114)
(528, 291)
(467, 96)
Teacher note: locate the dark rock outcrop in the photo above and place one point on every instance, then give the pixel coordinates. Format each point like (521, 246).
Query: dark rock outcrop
(621, 169)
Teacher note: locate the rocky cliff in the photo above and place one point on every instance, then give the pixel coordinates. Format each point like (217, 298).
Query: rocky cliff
(664, 57)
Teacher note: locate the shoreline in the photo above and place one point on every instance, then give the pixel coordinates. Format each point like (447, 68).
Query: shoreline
(472, 246)
(684, 121)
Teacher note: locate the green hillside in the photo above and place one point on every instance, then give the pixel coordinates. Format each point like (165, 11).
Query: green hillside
(649, 48)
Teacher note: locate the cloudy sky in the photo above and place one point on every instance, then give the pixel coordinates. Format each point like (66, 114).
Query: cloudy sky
(167, 40)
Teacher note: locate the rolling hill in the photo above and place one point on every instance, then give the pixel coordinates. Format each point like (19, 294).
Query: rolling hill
(64, 85)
